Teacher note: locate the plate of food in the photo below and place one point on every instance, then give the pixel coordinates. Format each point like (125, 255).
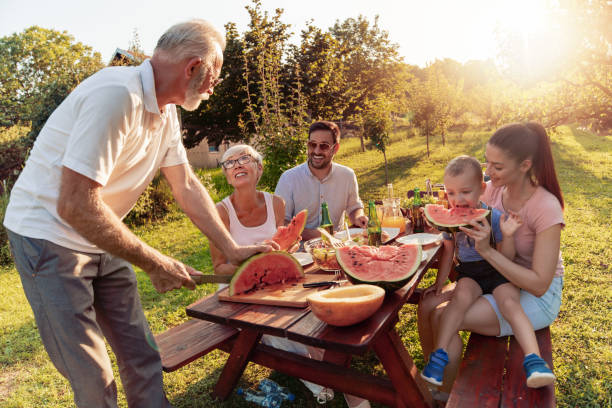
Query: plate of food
(303, 258)
(420, 238)
(360, 235)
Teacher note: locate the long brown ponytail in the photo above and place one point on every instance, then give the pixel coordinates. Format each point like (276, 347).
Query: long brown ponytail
(530, 141)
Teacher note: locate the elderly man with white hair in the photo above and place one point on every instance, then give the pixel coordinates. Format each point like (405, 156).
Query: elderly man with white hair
(92, 160)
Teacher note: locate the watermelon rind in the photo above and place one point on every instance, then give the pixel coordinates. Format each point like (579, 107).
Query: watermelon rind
(448, 227)
(244, 267)
(387, 285)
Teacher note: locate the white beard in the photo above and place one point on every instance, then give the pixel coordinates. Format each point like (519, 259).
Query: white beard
(192, 96)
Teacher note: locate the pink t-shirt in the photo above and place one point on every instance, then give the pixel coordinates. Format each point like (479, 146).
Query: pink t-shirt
(539, 213)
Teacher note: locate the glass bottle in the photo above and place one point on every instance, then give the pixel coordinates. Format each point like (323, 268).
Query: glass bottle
(261, 398)
(390, 190)
(417, 216)
(374, 230)
(325, 220)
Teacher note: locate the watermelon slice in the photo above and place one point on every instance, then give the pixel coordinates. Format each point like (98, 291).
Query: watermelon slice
(265, 269)
(288, 236)
(389, 267)
(449, 219)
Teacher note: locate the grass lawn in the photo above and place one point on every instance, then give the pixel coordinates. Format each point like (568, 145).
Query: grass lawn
(582, 340)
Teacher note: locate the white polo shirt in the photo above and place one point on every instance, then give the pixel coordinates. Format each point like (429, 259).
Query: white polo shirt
(108, 129)
(301, 189)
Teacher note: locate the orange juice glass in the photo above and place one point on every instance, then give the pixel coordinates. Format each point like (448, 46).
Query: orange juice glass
(394, 221)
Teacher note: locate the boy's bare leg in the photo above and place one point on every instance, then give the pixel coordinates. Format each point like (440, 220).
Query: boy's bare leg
(465, 294)
(507, 297)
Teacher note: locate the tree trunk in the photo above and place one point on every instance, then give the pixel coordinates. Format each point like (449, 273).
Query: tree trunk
(427, 135)
(443, 141)
(362, 142)
(386, 171)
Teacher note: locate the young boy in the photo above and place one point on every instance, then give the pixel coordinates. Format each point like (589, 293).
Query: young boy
(463, 182)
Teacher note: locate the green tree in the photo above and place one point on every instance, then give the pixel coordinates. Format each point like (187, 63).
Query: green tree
(377, 126)
(276, 118)
(38, 68)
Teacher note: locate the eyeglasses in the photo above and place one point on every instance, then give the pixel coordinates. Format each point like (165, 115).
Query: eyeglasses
(216, 82)
(322, 146)
(242, 160)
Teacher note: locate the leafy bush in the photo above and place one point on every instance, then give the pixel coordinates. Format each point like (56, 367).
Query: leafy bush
(5, 253)
(155, 203)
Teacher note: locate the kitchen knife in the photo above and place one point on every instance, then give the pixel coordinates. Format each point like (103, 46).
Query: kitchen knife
(201, 279)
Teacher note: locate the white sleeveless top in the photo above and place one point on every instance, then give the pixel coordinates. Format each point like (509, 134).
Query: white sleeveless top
(250, 235)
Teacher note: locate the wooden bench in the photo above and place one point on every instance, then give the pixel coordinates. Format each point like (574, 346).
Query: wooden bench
(491, 374)
(191, 340)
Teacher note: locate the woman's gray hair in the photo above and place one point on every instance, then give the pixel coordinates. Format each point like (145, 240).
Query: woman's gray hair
(193, 38)
(239, 148)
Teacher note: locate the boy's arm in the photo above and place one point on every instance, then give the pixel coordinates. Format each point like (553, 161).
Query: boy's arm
(508, 224)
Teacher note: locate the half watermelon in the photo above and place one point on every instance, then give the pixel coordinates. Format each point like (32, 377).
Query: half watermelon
(288, 236)
(450, 219)
(265, 269)
(389, 267)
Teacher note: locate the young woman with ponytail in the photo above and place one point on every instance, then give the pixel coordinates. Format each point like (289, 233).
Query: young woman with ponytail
(523, 181)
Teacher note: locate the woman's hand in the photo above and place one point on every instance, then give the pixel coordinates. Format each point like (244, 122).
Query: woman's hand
(480, 233)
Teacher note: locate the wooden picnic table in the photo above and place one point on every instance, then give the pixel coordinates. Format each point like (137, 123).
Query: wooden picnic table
(401, 387)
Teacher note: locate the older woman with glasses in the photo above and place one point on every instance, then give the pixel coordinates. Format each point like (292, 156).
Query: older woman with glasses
(249, 215)
(253, 216)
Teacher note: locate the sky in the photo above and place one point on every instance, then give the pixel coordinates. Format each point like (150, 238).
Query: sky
(425, 30)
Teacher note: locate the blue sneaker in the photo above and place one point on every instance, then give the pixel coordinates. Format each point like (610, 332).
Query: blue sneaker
(537, 371)
(434, 370)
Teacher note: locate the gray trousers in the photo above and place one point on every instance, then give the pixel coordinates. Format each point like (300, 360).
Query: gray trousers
(77, 298)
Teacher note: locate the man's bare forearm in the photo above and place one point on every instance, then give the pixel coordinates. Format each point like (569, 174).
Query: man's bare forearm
(97, 223)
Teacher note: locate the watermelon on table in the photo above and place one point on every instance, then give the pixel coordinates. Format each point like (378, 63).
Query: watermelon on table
(389, 267)
(287, 236)
(265, 269)
(450, 219)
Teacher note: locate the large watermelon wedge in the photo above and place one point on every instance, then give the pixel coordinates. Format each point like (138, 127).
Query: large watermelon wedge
(288, 236)
(389, 267)
(265, 269)
(449, 219)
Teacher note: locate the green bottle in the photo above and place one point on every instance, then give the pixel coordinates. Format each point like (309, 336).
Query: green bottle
(325, 220)
(374, 230)
(418, 225)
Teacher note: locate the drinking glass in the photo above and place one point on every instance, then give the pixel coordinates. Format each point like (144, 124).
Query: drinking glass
(392, 215)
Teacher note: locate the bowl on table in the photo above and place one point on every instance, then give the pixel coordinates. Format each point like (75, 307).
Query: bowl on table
(323, 253)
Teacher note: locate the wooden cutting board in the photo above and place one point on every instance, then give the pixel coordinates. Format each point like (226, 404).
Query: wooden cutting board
(288, 294)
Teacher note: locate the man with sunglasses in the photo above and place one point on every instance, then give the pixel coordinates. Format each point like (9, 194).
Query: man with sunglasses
(94, 157)
(319, 180)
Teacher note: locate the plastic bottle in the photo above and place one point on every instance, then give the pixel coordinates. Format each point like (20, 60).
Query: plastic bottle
(271, 387)
(374, 229)
(261, 398)
(326, 222)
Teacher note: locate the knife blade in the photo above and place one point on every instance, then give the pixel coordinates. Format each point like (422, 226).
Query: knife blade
(201, 279)
(324, 283)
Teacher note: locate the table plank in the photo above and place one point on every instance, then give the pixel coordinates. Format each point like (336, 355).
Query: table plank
(272, 320)
(212, 309)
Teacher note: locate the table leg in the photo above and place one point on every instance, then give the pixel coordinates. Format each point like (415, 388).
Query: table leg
(236, 362)
(401, 370)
